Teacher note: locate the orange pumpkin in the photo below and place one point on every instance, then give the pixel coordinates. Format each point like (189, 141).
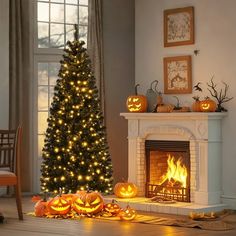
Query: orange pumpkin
(128, 213)
(112, 208)
(40, 208)
(136, 103)
(196, 105)
(208, 105)
(87, 202)
(125, 190)
(69, 197)
(59, 206)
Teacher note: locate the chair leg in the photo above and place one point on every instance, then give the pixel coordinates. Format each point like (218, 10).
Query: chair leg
(18, 201)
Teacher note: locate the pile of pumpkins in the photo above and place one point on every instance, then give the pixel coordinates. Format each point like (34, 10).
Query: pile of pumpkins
(87, 203)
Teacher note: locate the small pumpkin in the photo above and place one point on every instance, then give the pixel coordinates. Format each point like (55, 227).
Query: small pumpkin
(87, 202)
(208, 105)
(136, 103)
(112, 207)
(40, 208)
(125, 190)
(196, 106)
(128, 213)
(59, 205)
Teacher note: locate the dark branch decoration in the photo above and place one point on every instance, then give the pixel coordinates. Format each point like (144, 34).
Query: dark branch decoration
(220, 95)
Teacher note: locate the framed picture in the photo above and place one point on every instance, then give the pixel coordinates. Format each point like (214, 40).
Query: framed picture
(179, 26)
(177, 75)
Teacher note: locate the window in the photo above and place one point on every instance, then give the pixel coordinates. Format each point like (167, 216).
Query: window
(54, 27)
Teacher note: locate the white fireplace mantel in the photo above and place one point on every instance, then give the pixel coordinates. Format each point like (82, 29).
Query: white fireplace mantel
(202, 130)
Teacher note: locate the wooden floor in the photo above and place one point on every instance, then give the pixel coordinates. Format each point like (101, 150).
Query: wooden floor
(34, 226)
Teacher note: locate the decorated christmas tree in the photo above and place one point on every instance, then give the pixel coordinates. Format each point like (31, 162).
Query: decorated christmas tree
(75, 152)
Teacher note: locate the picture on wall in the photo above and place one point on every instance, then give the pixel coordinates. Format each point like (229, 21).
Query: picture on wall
(179, 26)
(177, 75)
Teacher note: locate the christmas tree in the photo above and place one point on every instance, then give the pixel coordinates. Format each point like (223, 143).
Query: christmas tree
(75, 152)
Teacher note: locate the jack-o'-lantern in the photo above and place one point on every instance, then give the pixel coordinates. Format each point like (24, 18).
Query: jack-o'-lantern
(136, 103)
(113, 208)
(208, 105)
(59, 206)
(40, 208)
(87, 202)
(196, 106)
(128, 213)
(125, 190)
(69, 197)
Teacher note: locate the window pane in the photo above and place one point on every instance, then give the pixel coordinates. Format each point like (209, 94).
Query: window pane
(57, 13)
(83, 2)
(60, 1)
(83, 15)
(53, 73)
(40, 144)
(43, 11)
(43, 35)
(83, 33)
(43, 98)
(42, 122)
(72, 2)
(51, 94)
(71, 14)
(43, 73)
(57, 35)
(70, 33)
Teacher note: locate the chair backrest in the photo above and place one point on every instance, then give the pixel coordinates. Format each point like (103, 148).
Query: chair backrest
(9, 149)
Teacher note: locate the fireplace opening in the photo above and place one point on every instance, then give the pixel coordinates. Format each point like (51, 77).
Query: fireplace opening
(168, 170)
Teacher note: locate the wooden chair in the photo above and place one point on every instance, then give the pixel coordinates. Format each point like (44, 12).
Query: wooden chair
(10, 143)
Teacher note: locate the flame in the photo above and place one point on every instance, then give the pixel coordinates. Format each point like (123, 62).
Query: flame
(176, 172)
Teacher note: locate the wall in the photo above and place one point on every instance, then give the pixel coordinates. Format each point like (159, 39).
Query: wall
(4, 63)
(118, 26)
(215, 37)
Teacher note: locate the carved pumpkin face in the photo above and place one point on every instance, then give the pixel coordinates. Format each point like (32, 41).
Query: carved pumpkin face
(125, 190)
(137, 103)
(40, 208)
(208, 105)
(87, 202)
(112, 208)
(59, 206)
(128, 213)
(69, 197)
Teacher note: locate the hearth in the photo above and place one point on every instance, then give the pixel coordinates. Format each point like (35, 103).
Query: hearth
(168, 170)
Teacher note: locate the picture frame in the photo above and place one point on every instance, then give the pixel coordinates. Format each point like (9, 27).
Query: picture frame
(177, 75)
(178, 26)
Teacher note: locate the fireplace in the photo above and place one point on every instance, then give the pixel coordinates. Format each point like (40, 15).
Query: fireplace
(167, 170)
(201, 133)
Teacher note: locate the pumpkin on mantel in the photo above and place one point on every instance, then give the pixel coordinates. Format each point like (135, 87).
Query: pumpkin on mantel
(196, 104)
(208, 105)
(136, 103)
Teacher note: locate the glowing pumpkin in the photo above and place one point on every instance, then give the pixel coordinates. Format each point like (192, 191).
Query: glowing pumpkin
(112, 208)
(208, 105)
(128, 213)
(87, 202)
(40, 208)
(69, 197)
(125, 190)
(136, 103)
(59, 206)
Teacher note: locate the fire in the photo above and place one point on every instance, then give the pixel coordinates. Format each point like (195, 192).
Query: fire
(176, 173)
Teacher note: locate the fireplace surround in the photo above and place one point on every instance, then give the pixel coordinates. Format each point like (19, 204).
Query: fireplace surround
(203, 133)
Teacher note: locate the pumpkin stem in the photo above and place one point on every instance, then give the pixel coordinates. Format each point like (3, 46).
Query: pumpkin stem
(45, 196)
(60, 191)
(136, 89)
(113, 201)
(155, 81)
